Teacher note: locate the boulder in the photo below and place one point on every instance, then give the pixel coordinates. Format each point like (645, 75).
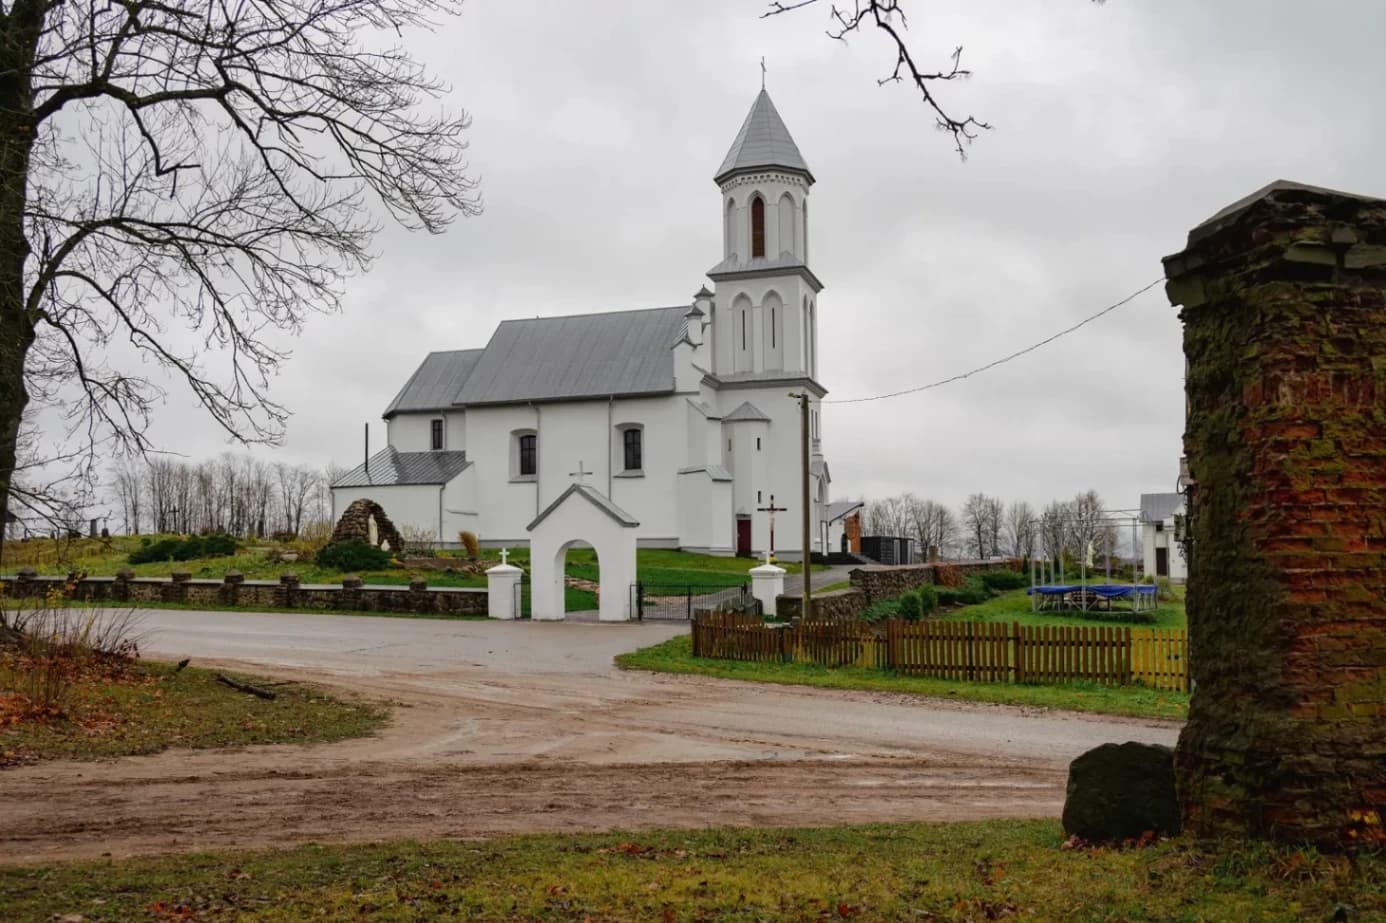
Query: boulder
(1119, 791)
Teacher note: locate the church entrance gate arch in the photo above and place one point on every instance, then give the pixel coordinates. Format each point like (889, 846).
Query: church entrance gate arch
(582, 515)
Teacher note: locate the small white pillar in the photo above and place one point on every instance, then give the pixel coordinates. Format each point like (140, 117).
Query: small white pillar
(502, 588)
(767, 583)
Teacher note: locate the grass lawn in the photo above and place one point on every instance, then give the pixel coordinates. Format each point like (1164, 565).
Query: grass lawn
(938, 872)
(1014, 606)
(676, 656)
(121, 709)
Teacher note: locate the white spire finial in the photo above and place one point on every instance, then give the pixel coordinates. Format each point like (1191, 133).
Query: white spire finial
(762, 72)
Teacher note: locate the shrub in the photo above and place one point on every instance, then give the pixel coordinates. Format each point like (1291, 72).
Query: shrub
(352, 556)
(470, 543)
(880, 610)
(183, 549)
(909, 607)
(1004, 579)
(972, 592)
(928, 600)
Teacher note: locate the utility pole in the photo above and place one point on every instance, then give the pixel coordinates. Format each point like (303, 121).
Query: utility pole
(804, 499)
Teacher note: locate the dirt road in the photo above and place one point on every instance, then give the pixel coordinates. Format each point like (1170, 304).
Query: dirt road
(506, 728)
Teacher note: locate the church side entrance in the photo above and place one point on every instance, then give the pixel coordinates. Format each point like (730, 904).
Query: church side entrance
(743, 536)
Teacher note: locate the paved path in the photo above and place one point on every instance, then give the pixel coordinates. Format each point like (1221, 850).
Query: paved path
(526, 727)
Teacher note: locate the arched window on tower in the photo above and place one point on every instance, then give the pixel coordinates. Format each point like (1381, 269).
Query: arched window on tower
(757, 226)
(730, 230)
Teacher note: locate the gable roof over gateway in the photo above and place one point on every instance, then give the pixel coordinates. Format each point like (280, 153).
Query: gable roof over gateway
(602, 503)
(622, 353)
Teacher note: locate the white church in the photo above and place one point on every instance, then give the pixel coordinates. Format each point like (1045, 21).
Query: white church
(681, 418)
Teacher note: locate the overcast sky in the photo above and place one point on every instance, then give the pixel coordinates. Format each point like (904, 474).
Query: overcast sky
(598, 125)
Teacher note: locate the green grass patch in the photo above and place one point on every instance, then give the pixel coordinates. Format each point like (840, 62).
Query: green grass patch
(149, 707)
(676, 656)
(937, 872)
(1014, 606)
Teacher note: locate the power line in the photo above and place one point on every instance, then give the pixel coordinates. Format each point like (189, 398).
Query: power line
(1004, 359)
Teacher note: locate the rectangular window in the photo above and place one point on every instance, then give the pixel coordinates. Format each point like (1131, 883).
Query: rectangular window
(437, 433)
(758, 500)
(528, 458)
(757, 443)
(631, 442)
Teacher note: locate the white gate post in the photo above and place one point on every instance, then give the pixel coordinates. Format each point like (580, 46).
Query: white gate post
(502, 582)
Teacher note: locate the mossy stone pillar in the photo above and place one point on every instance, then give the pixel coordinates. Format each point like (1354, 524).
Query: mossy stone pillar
(1284, 311)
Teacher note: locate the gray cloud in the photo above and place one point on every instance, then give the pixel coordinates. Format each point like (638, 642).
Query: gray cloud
(1118, 127)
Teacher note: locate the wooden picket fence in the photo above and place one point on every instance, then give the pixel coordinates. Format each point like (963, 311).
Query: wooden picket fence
(992, 652)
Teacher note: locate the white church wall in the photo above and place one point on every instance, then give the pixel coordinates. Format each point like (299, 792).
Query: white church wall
(789, 295)
(570, 432)
(459, 507)
(780, 458)
(413, 432)
(705, 513)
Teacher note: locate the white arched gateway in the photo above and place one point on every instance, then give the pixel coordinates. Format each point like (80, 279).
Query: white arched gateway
(582, 515)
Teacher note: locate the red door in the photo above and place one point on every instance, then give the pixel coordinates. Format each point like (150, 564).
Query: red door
(743, 537)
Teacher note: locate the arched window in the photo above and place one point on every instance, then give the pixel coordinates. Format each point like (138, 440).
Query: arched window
(524, 454)
(757, 226)
(788, 221)
(730, 230)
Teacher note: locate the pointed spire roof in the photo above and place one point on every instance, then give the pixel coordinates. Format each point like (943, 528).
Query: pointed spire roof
(763, 142)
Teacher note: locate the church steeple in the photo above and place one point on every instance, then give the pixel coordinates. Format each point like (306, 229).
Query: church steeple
(763, 142)
(765, 309)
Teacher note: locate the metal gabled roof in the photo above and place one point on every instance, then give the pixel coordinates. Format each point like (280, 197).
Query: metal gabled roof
(762, 142)
(435, 383)
(588, 355)
(601, 501)
(391, 468)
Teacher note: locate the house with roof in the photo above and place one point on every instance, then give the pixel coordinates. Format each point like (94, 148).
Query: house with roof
(1162, 519)
(681, 416)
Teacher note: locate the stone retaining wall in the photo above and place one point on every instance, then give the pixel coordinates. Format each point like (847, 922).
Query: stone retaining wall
(837, 605)
(234, 590)
(879, 581)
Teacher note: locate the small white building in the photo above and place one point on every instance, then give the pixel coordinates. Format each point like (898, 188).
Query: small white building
(680, 415)
(1162, 516)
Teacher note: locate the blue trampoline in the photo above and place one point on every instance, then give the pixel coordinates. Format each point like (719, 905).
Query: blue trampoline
(1076, 596)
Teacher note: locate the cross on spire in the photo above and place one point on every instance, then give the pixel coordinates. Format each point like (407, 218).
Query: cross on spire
(581, 474)
(762, 72)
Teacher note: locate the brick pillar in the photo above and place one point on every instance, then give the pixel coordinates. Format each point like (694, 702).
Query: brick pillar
(1284, 311)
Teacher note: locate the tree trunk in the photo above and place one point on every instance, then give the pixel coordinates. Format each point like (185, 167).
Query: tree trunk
(19, 35)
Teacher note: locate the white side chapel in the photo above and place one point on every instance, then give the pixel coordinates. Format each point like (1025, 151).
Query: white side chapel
(681, 416)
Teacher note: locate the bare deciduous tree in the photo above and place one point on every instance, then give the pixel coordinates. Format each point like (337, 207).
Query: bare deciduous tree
(211, 167)
(888, 17)
(1022, 530)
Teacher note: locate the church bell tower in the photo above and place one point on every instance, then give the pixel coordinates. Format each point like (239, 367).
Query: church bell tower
(765, 314)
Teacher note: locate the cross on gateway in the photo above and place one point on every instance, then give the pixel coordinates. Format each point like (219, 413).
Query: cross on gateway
(505, 553)
(581, 474)
(772, 509)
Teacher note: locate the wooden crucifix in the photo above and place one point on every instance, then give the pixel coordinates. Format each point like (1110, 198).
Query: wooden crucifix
(581, 474)
(772, 509)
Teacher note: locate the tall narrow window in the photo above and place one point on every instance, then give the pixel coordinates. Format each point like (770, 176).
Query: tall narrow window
(757, 226)
(773, 344)
(634, 456)
(529, 445)
(743, 329)
(437, 434)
